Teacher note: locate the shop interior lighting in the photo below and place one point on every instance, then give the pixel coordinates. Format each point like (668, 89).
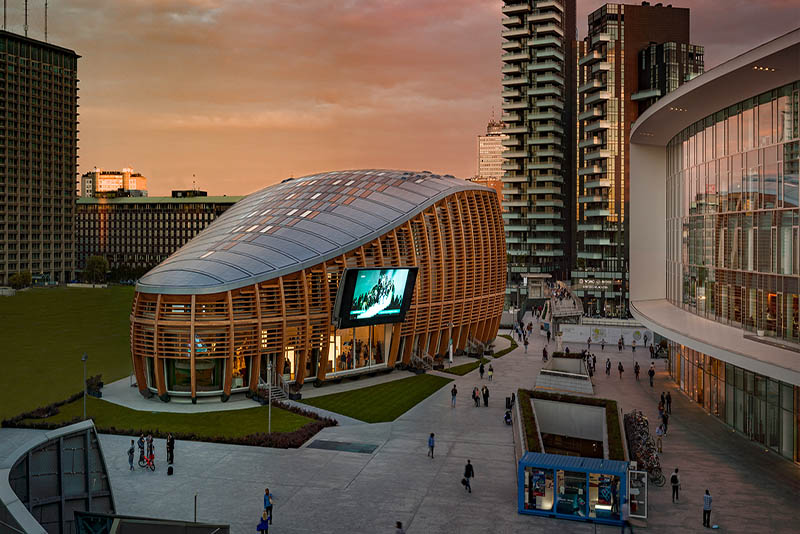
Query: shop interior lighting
(763, 69)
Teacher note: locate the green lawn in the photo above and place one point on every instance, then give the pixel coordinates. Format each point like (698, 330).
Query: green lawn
(505, 351)
(465, 368)
(383, 402)
(232, 423)
(44, 334)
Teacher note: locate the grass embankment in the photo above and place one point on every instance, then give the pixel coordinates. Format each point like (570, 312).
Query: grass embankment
(231, 423)
(505, 351)
(465, 368)
(382, 402)
(44, 334)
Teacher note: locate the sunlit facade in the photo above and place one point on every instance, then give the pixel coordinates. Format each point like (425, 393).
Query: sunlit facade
(255, 291)
(716, 267)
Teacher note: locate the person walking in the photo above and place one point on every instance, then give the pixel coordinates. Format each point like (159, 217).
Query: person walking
(544, 354)
(485, 396)
(707, 510)
(620, 369)
(268, 505)
(131, 452)
(603, 344)
(149, 441)
(548, 337)
(263, 525)
(453, 393)
(659, 437)
(525, 343)
(651, 373)
(431, 444)
(594, 363)
(476, 397)
(663, 399)
(170, 448)
(481, 369)
(633, 346)
(398, 528)
(608, 366)
(636, 370)
(665, 422)
(140, 443)
(566, 350)
(645, 340)
(675, 481)
(669, 403)
(469, 472)
(652, 352)
(589, 343)
(491, 370)
(619, 345)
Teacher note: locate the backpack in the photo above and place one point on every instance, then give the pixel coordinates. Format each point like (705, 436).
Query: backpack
(673, 479)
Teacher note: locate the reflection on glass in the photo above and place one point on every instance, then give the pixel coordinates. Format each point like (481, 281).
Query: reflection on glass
(208, 374)
(538, 489)
(604, 496)
(571, 493)
(179, 374)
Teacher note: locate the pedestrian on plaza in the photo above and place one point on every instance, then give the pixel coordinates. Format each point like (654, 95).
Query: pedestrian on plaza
(707, 510)
(669, 403)
(398, 528)
(652, 352)
(603, 344)
(263, 525)
(268, 504)
(526, 344)
(594, 363)
(636, 370)
(469, 472)
(453, 393)
(665, 421)
(620, 369)
(661, 410)
(566, 350)
(663, 399)
(491, 369)
(170, 448)
(481, 369)
(626, 516)
(651, 373)
(619, 345)
(675, 481)
(589, 343)
(131, 452)
(485, 396)
(476, 396)
(659, 437)
(544, 354)
(140, 443)
(633, 346)
(431, 443)
(645, 340)
(548, 337)
(608, 366)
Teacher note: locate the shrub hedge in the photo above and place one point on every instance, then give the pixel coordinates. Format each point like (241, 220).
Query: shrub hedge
(529, 421)
(616, 449)
(283, 440)
(503, 352)
(465, 368)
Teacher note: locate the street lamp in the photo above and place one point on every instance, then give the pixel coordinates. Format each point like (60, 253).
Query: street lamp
(450, 345)
(269, 409)
(83, 359)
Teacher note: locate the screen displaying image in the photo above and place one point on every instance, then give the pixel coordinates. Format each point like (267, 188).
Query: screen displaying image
(375, 296)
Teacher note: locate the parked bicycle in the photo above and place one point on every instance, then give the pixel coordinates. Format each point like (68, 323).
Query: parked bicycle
(642, 447)
(148, 461)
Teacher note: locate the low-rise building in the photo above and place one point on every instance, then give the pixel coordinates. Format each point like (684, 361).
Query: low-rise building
(137, 233)
(105, 181)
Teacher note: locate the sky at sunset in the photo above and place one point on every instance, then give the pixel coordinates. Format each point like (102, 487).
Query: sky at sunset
(245, 93)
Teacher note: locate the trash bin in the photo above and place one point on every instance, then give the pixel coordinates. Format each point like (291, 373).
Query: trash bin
(508, 403)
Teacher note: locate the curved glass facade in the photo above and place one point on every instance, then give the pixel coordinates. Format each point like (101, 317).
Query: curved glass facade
(732, 215)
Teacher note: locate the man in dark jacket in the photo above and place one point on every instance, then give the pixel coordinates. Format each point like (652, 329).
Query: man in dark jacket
(469, 473)
(140, 443)
(485, 394)
(131, 452)
(170, 448)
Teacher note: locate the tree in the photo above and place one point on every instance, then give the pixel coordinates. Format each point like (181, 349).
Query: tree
(20, 280)
(96, 268)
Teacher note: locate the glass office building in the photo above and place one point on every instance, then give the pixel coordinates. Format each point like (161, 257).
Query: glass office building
(716, 267)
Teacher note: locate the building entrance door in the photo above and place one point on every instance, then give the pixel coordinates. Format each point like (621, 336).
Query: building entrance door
(268, 368)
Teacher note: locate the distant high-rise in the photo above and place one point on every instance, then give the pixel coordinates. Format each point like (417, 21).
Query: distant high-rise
(490, 152)
(610, 94)
(538, 103)
(39, 162)
(105, 181)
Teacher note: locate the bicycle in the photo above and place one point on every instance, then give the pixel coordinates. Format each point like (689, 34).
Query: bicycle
(148, 461)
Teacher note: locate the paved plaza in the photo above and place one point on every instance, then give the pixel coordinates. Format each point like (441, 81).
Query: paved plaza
(330, 491)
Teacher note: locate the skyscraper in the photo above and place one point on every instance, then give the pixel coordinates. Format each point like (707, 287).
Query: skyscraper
(609, 104)
(38, 165)
(538, 84)
(490, 158)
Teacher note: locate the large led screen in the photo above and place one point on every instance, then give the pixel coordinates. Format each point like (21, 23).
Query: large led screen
(374, 296)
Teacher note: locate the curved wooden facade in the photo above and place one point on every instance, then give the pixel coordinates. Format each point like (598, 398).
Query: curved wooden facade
(458, 245)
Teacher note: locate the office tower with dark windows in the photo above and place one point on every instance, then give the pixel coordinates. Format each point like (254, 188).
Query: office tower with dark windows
(620, 37)
(538, 84)
(38, 158)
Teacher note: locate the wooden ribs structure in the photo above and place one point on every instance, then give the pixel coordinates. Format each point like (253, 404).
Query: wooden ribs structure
(457, 243)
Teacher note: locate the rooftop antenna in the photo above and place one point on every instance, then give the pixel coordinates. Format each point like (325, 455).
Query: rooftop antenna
(4, 15)
(194, 184)
(45, 20)
(26, 18)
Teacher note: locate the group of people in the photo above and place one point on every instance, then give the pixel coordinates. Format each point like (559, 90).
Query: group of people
(266, 515)
(523, 333)
(477, 394)
(147, 458)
